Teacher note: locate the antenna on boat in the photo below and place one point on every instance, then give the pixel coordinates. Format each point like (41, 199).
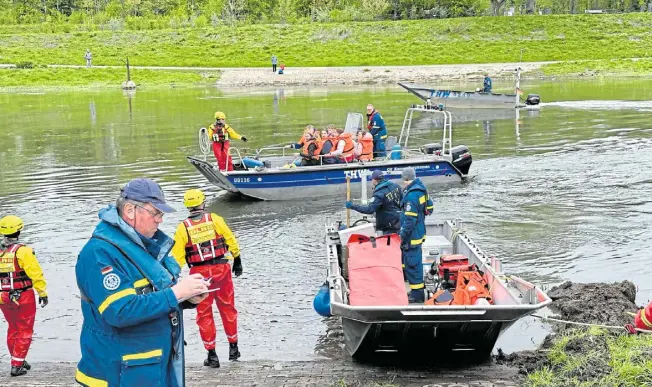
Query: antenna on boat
(517, 87)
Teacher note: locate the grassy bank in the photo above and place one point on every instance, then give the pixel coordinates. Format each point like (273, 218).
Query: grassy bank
(622, 67)
(95, 77)
(594, 357)
(418, 42)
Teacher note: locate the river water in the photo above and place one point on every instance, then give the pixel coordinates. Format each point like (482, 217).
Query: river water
(559, 193)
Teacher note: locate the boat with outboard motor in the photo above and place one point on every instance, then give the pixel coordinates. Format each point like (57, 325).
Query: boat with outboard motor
(270, 173)
(366, 289)
(473, 99)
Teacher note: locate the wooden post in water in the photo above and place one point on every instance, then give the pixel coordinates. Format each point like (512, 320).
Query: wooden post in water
(348, 198)
(128, 71)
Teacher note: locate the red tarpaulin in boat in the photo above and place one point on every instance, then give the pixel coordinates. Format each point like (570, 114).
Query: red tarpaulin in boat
(375, 271)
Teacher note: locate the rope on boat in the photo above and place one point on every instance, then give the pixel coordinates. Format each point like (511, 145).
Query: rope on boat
(614, 327)
(204, 142)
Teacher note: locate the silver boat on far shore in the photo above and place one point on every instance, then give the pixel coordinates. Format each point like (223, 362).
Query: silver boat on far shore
(411, 328)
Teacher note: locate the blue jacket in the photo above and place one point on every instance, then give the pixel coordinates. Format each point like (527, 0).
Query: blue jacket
(386, 203)
(128, 336)
(416, 205)
(487, 85)
(376, 126)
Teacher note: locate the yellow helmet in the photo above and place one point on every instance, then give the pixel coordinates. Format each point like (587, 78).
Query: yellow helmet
(193, 198)
(10, 224)
(220, 116)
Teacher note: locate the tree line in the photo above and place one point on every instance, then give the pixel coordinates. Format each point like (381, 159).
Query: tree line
(199, 13)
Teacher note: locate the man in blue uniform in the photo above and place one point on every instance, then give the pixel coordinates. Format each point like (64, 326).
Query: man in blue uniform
(132, 300)
(376, 126)
(385, 203)
(415, 206)
(487, 83)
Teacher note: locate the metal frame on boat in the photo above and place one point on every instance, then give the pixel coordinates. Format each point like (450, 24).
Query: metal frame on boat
(272, 180)
(370, 329)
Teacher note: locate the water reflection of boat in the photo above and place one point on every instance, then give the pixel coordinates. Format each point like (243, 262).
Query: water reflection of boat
(265, 176)
(408, 328)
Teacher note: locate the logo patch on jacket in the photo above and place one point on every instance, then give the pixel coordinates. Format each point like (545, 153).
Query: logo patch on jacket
(408, 207)
(111, 281)
(106, 270)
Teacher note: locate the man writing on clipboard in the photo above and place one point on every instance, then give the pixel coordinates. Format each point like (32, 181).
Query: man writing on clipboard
(206, 244)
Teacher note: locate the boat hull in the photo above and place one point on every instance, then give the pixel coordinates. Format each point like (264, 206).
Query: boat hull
(318, 181)
(464, 99)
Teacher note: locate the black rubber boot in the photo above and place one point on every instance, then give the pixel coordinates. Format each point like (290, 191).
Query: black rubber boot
(234, 353)
(21, 370)
(416, 296)
(212, 360)
(26, 365)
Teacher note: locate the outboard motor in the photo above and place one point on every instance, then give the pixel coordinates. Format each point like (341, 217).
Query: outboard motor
(532, 99)
(432, 149)
(322, 301)
(462, 158)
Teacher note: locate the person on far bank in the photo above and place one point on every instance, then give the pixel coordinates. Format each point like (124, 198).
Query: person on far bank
(206, 244)
(88, 56)
(132, 299)
(385, 203)
(274, 62)
(487, 84)
(416, 205)
(20, 272)
(221, 133)
(376, 126)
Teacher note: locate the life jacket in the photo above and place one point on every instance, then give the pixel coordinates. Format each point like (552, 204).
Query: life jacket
(220, 133)
(473, 283)
(349, 146)
(367, 142)
(306, 147)
(12, 276)
(204, 243)
(370, 121)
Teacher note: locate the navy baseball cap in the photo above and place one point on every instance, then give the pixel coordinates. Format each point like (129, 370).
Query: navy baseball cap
(146, 191)
(377, 175)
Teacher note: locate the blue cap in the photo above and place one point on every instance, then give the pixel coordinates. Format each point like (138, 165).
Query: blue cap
(377, 175)
(146, 191)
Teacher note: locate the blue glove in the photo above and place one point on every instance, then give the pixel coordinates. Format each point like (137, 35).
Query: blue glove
(349, 204)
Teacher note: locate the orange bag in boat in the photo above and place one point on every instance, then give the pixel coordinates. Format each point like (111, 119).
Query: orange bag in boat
(474, 285)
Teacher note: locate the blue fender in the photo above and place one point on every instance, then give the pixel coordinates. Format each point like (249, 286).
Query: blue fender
(322, 301)
(252, 163)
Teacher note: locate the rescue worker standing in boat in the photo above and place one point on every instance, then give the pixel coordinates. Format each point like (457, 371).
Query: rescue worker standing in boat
(415, 206)
(385, 203)
(20, 272)
(206, 244)
(132, 298)
(221, 133)
(376, 126)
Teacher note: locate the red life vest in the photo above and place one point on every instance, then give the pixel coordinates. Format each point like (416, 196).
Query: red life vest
(220, 133)
(204, 243)
(12, 276)
(370, 121)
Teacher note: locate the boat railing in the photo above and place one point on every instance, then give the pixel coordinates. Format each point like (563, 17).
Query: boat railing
(447, 139)
(237, 151)
(272, 148)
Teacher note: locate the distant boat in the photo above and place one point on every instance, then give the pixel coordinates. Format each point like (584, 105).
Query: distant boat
(472, 99)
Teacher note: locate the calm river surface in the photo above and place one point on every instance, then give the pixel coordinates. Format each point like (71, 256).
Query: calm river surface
(560, 193)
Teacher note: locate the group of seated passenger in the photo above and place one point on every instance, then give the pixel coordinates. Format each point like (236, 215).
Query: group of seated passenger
(333, 146)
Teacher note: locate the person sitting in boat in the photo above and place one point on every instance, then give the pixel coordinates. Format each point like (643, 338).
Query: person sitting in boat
(487, 83)
(376, 126)
(299, 144)
(364, 146)
(329, 143)
(385, 203)
(345, 147)
(311, 149)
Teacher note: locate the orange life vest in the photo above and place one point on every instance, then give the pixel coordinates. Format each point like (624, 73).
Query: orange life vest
(12, 276)
(367, 142)
(349, 146)
(204, 243)
(473, 284)
(306, 147)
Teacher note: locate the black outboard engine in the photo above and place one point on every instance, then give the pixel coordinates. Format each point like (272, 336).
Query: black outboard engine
(532, 99)
(462, 158)
(432, 149)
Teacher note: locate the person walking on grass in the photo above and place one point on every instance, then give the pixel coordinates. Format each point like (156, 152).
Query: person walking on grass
(274, 62)
(88, 56)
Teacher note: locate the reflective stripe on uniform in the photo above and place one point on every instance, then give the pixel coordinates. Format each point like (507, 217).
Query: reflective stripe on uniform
(115, 297)
(143, 355)
(644, 318)
(410, 213)
(422, 199)
(89, 381)
(417, 241)
(141, 282)
(417, 286)
(383, 137)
